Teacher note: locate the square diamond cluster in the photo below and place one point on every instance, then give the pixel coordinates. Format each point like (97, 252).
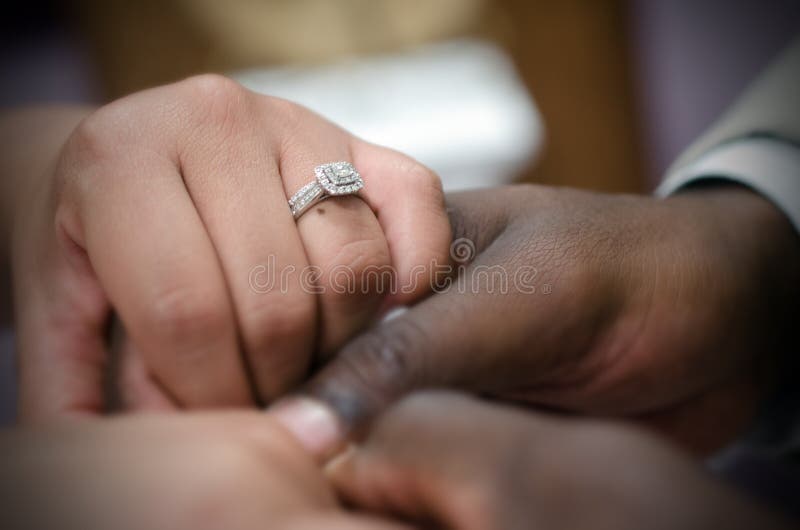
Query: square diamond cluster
(339, 178)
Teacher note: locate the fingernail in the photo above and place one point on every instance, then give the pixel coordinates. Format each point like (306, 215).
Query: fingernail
(311, 422)
(394, 312)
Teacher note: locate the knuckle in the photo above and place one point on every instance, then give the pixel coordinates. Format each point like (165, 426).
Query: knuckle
(97, 149)
(181, 314)
(212, 87)
(96, 137)
(420, 176)
(220, 101)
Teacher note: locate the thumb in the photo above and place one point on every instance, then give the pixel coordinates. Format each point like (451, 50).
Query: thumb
(425, 461)
(378, 367)
(444, 341)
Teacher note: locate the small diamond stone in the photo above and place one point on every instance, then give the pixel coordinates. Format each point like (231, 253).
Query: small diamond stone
(304, 196)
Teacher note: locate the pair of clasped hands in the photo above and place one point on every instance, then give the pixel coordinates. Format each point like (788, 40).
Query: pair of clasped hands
(157, 209)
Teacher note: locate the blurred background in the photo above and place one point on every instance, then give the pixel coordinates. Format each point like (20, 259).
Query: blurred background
(600, 94)
(591, 93)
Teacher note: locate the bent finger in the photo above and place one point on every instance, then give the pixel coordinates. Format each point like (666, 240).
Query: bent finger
(163, 279)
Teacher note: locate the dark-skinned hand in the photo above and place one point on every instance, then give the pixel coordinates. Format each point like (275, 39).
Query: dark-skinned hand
(426, 461)
(671, 311)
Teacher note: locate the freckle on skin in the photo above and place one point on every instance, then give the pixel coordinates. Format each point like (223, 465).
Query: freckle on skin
(321, 211)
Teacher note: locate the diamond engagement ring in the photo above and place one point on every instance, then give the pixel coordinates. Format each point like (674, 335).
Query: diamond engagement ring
(334, 179)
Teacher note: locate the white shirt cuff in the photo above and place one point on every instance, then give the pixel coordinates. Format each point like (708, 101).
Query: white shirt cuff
(770, 167)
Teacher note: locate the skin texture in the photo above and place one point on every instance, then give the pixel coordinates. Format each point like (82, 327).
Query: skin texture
(675, 312)
(159, 207)
(521, 470)
(236, 471)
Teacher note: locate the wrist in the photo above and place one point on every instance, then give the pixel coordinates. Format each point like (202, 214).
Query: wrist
(747, 227)
(758, 253)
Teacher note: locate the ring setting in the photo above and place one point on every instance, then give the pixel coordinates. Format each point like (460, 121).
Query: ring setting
(332, 180)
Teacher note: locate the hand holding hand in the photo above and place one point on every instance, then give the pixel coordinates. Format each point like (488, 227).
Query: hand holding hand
(162, 205)
(672, 311)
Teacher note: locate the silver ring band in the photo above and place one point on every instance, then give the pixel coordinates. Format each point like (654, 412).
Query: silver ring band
(334, 179)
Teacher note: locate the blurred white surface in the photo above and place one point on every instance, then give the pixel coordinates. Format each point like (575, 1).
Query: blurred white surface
(459, 107)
